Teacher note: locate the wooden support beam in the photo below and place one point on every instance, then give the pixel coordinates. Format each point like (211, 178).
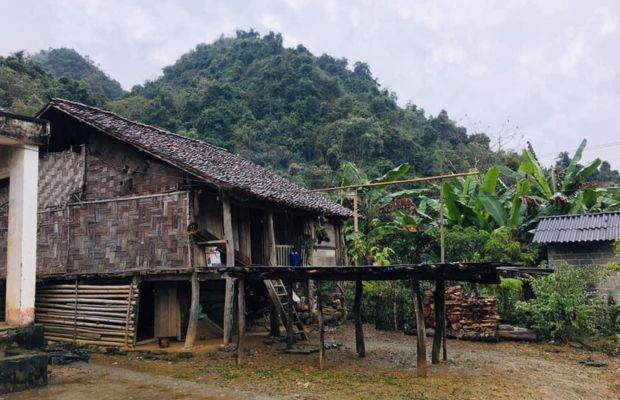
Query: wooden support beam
(359, 330)
(289, 318)
(422, 367)
(440, 319)
(192, 326)
(270, 239)
(241, 321)
(270, 255)
(274, 317)
(319, 303)
(229, 298)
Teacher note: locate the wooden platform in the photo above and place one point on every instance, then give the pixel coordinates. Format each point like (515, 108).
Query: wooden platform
(464, 272)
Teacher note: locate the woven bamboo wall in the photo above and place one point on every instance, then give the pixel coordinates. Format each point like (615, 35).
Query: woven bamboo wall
(144, 234)
(2, 299)
(121, 171)
(140, 234)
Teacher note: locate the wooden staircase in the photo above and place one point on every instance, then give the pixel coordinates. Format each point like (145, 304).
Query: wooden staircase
(279, 296)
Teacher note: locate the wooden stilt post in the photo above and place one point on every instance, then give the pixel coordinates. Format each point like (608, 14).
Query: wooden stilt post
(241, 321)
(422, 367)
(440, 315)
(270, 256)
(442, 310)
(229, 298)
(274, 329)
(319, 303)
(192, 326)
(359, 330)
(289, 317)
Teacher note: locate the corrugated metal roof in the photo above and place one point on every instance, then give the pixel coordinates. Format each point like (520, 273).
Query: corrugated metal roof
(578, 228)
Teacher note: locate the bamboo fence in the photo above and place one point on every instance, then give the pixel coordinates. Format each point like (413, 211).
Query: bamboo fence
(102, 315)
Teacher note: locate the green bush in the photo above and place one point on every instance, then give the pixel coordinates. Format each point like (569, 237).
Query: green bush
(565, 307)
(387, 304)
(508, 294)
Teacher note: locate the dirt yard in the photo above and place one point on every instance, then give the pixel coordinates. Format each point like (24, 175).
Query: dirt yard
(474, 371)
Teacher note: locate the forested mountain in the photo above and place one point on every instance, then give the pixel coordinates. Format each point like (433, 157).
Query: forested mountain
(27, 82)
(299, 114)
(69, 64)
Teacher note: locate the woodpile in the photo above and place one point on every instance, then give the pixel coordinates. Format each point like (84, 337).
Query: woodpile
(468, 317)
(100, 315)
(334, 311)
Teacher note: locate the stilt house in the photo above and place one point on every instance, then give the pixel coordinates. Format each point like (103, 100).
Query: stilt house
(130, 213)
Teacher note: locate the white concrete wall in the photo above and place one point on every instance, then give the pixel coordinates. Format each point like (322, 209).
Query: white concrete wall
(22, 236)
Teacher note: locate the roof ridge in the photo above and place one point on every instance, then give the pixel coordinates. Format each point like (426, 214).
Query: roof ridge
(204, 160)
(157, 128)
(579, 215)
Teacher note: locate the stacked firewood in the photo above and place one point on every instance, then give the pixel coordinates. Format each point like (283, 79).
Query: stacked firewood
(334, 311)
(468, 316)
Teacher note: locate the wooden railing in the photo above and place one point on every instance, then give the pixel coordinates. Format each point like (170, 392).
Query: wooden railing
(283, 252)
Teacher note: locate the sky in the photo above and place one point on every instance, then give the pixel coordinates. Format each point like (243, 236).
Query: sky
(540, 71)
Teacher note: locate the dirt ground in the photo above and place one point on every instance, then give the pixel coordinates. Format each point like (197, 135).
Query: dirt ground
(474, 371)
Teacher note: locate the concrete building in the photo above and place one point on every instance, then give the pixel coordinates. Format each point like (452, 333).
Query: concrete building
(583, 240)
(20, 138)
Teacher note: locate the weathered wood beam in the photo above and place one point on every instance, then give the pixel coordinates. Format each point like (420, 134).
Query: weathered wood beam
(359, 329)
(192, 326)
(289, 317)
(241, 321)
(274, 329)
(319, 303)
(421, 365)
(440, 319)
(229, 298)
(271, 239)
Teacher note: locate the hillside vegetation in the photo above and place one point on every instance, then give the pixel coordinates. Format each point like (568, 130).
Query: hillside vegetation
(302, 115)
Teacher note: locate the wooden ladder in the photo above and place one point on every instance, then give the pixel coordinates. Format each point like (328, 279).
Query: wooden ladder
(279, 296)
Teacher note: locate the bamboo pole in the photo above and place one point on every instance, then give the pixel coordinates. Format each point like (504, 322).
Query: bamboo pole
(422, 367)
(400, 182)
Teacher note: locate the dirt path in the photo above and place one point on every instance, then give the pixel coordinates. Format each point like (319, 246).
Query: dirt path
(81, 381)
(474, 371)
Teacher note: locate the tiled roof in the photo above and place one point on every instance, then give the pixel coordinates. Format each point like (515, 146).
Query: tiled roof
(578, 228)
(213, 164)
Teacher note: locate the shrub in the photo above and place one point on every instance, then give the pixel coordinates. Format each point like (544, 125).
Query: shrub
(508, 294)
(565, 307)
